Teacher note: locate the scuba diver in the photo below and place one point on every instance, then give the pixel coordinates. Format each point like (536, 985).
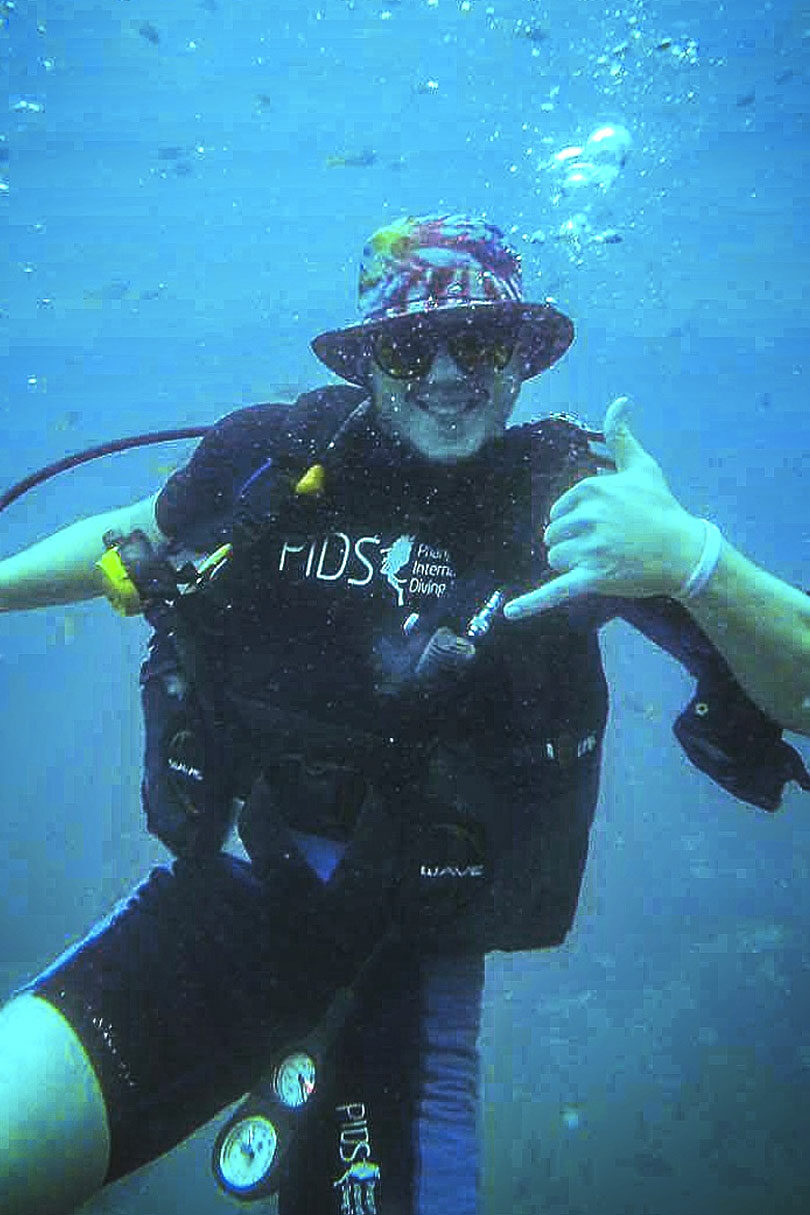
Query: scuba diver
(355, 659)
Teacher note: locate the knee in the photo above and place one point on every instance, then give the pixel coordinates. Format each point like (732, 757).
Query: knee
(54, 1134)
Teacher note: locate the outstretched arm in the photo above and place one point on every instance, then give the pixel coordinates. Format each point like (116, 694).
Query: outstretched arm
(625, 534)
(62, 567)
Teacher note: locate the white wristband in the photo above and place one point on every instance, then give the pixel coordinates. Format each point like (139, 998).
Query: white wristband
(706, 563)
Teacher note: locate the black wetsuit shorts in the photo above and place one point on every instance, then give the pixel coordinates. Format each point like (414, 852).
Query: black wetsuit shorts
(183, 992)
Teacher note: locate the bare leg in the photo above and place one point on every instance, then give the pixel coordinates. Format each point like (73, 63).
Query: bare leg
(54, 1135)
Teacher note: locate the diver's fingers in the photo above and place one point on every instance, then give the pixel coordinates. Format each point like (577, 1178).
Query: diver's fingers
(571, 498)
(620, 441)
(551, 594)
(567, 526)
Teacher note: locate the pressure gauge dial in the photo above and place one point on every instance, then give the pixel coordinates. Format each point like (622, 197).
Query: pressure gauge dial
(294, 1080)
(245, 1155)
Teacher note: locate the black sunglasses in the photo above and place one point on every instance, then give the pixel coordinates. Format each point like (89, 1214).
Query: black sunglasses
(409, 354)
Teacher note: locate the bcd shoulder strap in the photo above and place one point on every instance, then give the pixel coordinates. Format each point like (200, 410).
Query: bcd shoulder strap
(317, 417)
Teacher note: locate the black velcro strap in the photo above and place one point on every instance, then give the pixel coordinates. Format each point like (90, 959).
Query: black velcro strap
(738, 746)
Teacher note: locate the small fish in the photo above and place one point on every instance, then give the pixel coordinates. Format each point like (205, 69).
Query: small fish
(752, 939)
(67, 421)
(355, 160)
(609, 237)
(117, 289)
(148, 31)
(746, 99)
(648, 1164)
(534, 33)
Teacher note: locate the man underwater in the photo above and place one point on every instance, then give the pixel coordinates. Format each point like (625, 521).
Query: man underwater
(367, 669)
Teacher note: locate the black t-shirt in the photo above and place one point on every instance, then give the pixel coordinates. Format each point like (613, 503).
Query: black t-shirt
(331, 611)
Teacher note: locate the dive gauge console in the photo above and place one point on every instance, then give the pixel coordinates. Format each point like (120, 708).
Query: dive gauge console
(252, 1145)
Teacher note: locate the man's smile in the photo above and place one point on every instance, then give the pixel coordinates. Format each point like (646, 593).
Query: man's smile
(451, 402)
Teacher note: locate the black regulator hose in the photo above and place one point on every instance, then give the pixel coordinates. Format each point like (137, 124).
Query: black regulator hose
(94, 453)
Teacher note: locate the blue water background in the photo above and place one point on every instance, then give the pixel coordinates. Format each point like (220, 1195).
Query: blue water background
(179, 229)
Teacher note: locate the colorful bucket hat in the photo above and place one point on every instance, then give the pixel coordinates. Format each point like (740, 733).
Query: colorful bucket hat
(427, 269)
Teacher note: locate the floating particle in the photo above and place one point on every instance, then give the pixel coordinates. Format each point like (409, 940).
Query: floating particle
(576, 230)
(23, 105)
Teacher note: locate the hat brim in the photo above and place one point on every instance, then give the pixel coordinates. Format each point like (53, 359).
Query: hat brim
(545, 335)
